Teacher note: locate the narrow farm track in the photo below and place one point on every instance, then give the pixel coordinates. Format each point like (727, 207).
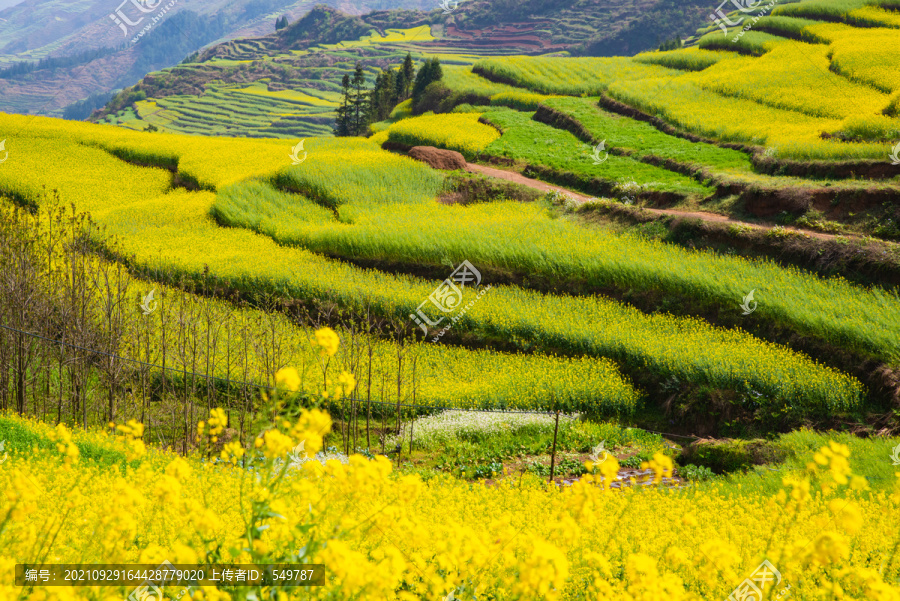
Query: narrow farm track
(518, 178)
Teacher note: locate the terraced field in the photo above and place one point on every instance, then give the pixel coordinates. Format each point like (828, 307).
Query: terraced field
(251, 110)
(179, 222)
(758, 103)
(232, 94)
(231, 89)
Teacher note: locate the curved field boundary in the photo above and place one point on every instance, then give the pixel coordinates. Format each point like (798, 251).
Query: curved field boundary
(560, 156)
(866, 168)
(520, 179)
(761, 199)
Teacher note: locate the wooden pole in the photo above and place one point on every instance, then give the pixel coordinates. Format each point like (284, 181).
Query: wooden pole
(413, 420)
(553, 454)
(369, 398)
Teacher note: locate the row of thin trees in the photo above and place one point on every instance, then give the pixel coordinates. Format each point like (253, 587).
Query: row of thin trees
(83, 341)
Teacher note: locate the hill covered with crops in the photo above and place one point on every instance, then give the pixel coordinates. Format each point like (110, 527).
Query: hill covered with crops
(458, 305)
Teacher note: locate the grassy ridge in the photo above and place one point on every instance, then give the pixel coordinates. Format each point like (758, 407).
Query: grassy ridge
(525, 240)
(366, 182)
(753, 43)
(528, 140)
(791, 27)
(461, 79)
(643, 139)
(570, 76)
(688, 59)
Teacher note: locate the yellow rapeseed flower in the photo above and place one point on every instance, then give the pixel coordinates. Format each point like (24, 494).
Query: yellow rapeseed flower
(328, 340)
(289, 378)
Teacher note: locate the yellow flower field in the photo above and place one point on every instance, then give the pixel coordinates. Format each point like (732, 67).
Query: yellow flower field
(788, 97)
(382, 535)
(862, 55)
(792, 76)
(458, 131)
(461, 79)
(687, 105)
(574, 76)
(285, 345)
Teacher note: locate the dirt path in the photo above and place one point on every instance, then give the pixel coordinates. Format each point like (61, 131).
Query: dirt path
(518, 178)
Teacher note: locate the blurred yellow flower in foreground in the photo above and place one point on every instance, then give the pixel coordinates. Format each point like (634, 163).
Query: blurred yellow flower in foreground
(289, 378)
(328, 340)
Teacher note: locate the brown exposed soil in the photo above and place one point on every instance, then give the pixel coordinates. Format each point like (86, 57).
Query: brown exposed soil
(438, 158)
(835, 201)
(871, 263)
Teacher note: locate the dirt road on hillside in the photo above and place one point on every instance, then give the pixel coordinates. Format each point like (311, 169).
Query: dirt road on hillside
(518, 178)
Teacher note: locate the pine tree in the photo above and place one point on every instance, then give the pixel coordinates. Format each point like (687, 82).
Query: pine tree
(281, 22)
(437, 72)
(342, 123)
(388, 95)
(382, 98)
(423, 78)
(359, 121)
(361, 106)
(375, 98)
(400, 86)
(406, 76)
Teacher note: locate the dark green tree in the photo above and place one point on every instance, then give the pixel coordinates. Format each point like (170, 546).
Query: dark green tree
(342, 124)
(405, 78)
(672, 44)
(423, 78)
(430, 72)
(383, 98)
(359, 102)
(361, 106)
(281, 22)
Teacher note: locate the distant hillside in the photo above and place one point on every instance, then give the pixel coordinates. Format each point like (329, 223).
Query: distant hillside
(581, 27)
(54, 29)
(586, 27)
(286, 83)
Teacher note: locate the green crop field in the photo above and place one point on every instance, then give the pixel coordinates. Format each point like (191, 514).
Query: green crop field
(644, 139)
(526, 140)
